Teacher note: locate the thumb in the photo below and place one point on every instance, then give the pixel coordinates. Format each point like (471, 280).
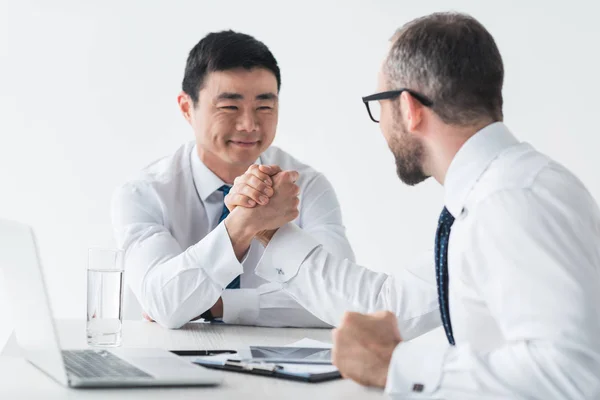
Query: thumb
(269, 169)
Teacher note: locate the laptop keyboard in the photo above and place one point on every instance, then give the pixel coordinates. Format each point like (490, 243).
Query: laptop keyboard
(99, 364)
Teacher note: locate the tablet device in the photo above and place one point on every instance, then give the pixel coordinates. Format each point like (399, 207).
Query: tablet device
(291, 355)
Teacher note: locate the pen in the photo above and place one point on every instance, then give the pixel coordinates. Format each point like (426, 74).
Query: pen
(201, 352)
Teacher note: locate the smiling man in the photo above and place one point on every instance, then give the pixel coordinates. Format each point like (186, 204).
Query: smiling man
(186, 256)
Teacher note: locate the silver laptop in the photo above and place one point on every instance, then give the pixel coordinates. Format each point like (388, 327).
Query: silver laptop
(36, 332)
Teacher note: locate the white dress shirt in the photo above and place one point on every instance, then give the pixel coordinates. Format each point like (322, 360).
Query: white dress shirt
(179, 258)
(524, 282)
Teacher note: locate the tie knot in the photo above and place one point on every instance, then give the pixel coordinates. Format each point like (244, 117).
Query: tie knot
(446, 218)
(225, 189)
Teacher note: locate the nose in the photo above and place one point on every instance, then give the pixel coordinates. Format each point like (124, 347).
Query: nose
(247, 122)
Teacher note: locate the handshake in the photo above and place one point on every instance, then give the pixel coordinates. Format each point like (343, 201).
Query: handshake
(261, 201)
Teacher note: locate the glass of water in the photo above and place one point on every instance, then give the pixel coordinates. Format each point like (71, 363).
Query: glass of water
(104, 297)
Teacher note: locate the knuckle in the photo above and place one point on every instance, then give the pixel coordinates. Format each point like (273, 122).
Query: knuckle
(246, 190)
(259, 176)
(257, 183)
(349, 317)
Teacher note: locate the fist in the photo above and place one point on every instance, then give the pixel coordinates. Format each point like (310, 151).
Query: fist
(281, 208)
(254, 187)
(363, 346)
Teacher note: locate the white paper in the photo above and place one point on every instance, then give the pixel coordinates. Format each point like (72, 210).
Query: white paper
(299, 369)
(310, 343)
(296, 369)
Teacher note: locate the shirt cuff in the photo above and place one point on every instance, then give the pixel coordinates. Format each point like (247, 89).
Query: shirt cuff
(240, 306)
(416, 369)
(284, 254)
(217, 257)
(251, 249)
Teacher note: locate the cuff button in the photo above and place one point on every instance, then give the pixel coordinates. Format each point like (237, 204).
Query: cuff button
(418, 387)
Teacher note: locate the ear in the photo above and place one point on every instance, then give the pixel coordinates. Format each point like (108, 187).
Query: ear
(186, 105)
(412, 111)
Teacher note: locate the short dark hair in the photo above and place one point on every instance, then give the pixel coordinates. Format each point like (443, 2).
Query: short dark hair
(452, 59)
(221, 51)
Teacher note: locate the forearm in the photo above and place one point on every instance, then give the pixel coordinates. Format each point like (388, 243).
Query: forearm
(526, 369)
(328, 287)
(186, 296)
(278, 309)
(175, 287)
(240, 233)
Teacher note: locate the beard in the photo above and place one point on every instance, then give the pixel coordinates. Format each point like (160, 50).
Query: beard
(409, 154)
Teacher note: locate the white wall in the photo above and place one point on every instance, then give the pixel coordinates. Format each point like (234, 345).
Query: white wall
(87, 97)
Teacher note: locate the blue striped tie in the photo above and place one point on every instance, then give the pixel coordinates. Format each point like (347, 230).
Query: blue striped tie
(442, 237)
(235, 284)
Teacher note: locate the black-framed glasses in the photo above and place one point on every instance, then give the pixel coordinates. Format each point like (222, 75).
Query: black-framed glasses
(374, 109)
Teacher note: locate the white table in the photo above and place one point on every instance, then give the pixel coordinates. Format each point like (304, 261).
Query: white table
(21, 380)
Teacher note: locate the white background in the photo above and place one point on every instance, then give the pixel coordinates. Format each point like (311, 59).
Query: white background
(88, 96)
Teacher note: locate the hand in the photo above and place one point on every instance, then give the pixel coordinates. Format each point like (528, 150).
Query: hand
(244, 224)
(363, 346)
(253, 187)
(281, 208)
(147, 317)
(217, 309)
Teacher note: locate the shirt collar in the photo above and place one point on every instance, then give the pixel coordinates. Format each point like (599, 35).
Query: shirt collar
(206, 181)
(471, 161)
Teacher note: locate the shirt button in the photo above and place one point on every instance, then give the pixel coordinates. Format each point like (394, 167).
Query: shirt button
(279, 271)
(464, 213)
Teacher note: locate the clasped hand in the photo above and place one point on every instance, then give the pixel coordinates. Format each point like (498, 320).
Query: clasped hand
(266, 197)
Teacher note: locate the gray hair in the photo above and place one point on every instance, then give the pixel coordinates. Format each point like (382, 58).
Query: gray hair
(452, 59)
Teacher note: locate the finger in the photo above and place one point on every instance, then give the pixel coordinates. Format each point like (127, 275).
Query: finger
(270, 169)
(236, 199)
(289, 189)
(292, 215)
(348, 318)
(228, 202)
(253, 194)
(290, 176)
(263, 176)
(334, 334)
(260, 185)
(257, 175)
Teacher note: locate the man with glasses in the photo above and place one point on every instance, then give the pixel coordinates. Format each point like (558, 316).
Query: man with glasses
(517, 260)
(186, 256)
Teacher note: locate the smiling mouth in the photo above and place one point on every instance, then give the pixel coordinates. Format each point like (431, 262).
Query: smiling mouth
(244, 143)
